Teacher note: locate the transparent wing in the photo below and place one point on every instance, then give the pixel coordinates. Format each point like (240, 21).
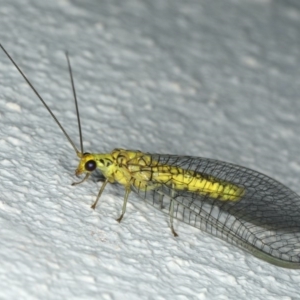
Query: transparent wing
(265, 221)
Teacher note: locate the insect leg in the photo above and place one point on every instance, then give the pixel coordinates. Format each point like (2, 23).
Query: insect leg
(172, 212)
(127, 191)
(100, 193)
(81, 181)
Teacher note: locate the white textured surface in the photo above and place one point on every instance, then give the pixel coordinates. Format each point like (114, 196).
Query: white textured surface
(216, 79)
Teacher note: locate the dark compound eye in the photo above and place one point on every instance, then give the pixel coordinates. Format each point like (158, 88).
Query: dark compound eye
(90, 165)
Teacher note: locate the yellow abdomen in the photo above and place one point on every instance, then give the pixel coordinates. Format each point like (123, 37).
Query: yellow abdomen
(191, 181)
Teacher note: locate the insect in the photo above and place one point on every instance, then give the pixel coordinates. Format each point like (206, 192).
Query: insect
(239, 205)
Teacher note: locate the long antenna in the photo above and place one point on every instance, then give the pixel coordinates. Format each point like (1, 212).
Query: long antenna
(76, 102)
(42, 100)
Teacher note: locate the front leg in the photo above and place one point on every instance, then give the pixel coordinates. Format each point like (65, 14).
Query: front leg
(100, 193)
